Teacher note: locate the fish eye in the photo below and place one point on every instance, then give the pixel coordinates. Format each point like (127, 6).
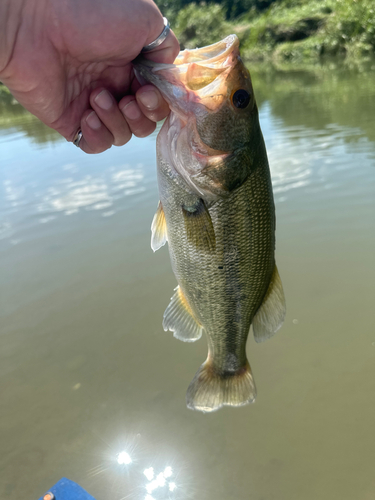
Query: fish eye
(241, 98)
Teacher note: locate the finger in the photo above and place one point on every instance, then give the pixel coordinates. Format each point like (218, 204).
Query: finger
(108, 112)
(151, 103)
(166, 52)
(96, 138)
(138, 123)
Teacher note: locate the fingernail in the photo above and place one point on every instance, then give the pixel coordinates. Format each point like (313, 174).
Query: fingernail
(103, 100)
(131, 110)
(93, 121)
(149, 99)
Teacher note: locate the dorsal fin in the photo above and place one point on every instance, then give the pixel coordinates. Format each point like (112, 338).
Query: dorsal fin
(270, 315)
(179, 319)
(158, 229)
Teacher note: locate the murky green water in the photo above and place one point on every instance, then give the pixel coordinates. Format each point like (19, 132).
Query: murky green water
(86, 370)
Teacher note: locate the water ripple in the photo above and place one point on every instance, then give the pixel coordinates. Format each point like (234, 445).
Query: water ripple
(302, 157)
(26, 203)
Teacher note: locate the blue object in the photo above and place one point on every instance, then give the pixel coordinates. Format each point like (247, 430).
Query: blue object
(66, 489)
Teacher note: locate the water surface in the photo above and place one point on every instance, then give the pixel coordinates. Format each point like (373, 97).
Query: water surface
(86, 370)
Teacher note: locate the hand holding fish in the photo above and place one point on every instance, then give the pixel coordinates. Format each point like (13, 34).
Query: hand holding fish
(68, 62)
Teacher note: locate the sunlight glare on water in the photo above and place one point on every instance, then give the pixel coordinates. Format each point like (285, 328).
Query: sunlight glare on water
(124, 458)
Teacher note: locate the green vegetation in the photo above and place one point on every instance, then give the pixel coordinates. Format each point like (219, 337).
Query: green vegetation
(199, 27)
(5, 96)
(279, 30)
(231, 8)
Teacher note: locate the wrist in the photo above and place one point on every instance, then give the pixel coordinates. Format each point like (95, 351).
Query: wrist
(10, 21)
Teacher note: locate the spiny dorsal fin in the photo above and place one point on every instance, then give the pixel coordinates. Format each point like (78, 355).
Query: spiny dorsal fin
(179, 319)
(199, 228)
(158, 229)
(270, 316)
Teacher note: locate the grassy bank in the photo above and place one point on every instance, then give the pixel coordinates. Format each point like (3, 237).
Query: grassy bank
(287, 30)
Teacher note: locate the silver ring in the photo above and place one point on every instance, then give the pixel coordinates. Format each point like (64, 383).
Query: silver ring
(77, 138)
(160, 39)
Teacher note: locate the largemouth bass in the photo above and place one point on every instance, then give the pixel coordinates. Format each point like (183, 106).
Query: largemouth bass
(216, 212)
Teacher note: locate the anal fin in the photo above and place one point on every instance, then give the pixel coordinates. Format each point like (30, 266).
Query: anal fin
(158, 229)
(179, 319)
(271, 314)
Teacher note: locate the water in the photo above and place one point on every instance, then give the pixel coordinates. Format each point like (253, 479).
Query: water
(87, 374)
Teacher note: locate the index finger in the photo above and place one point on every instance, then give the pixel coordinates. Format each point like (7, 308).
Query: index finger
(166, 52)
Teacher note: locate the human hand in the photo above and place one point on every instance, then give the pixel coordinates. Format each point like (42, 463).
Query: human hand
(69, 62)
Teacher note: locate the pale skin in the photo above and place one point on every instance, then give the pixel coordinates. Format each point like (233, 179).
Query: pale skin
(69, 63)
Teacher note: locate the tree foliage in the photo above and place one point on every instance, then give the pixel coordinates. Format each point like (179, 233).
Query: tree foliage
(231, 8)
(278, 29)
(200, 25)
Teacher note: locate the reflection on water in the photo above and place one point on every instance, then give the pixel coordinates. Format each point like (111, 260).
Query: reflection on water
(153, 481)
(124, 458)
(42, 202)
(15, 124)
(160, 482)
(69, 196)
(92, 388)
(312, 159)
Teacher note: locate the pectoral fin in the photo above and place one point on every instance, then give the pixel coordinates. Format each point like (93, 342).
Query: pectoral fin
(158, 229)
(270, 316)
(199, 228)
(179, 319)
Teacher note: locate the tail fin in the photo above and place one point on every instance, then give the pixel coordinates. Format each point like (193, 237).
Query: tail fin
(210, 390)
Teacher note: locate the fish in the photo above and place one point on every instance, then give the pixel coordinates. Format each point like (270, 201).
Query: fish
(217, 214)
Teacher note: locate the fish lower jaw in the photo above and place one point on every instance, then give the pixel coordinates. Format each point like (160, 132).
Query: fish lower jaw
(166, 141)
(177, 120)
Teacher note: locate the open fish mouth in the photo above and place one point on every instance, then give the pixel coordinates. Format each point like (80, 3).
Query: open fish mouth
(210, 54)
(194, 75)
